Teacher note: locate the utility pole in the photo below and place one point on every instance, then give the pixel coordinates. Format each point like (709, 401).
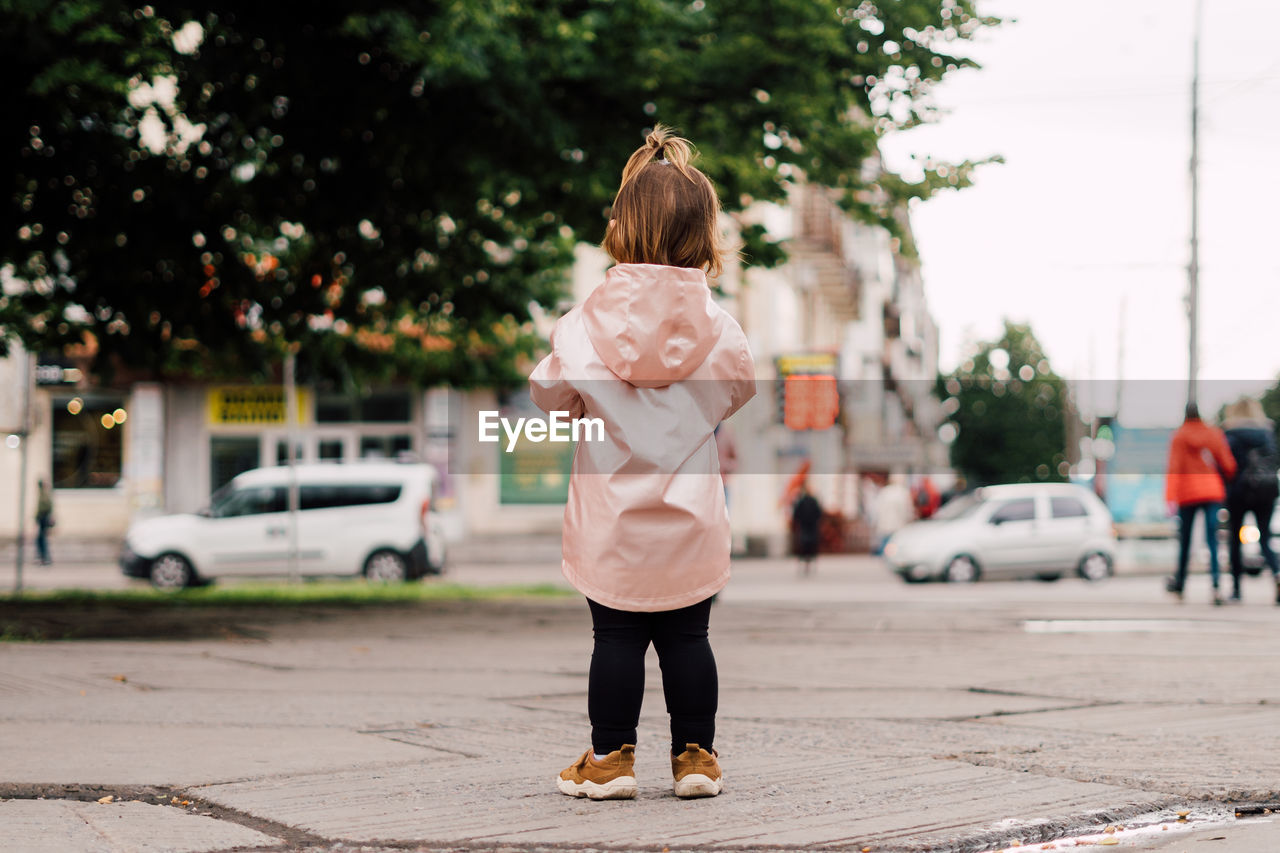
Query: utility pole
(1193, 269)
(24, 437)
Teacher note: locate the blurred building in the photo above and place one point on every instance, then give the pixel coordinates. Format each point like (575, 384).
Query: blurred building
(848, 303)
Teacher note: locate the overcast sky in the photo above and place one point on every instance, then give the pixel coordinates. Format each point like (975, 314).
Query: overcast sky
(1090, 215)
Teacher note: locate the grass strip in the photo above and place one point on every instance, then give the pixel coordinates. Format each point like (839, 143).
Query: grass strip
(353, 593)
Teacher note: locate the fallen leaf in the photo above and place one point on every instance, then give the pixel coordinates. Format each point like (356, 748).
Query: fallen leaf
(1109, 829)
(173, 800)
(1109, 841)
(120, 678)
(107, 799)
(84, 693)
(1182, 815)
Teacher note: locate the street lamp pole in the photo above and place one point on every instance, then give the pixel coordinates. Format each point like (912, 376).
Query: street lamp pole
(291, 438)
(1193, 268)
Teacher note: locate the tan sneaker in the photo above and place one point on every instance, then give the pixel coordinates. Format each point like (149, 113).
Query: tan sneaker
(611, 778)
(697, 772)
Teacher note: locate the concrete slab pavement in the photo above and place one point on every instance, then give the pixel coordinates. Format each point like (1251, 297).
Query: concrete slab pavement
(59, 826)
(855, 712)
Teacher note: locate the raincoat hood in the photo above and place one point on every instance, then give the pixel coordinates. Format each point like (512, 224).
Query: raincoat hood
(652, 325)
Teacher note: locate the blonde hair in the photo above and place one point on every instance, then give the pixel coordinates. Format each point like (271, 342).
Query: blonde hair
(1244, 409)
(666, 211)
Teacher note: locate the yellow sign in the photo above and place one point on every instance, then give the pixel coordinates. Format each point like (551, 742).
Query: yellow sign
(253, 405)
(807, 363)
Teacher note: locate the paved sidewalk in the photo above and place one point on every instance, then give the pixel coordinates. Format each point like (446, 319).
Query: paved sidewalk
(856, 712)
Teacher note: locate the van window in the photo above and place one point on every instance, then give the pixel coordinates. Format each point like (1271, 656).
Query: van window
(363, 494)
(1066, 508)
(1023, 509)
(252, 500)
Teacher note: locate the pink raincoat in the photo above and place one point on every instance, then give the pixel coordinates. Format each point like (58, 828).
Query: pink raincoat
(651, 354)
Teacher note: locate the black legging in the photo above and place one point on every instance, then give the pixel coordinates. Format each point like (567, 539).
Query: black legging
(616, 686)
(1261, 509)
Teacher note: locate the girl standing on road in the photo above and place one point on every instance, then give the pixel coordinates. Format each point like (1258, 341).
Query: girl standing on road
(646, 532)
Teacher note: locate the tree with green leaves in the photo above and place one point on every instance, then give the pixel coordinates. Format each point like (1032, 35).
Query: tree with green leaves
(389, 188)
(1271, 406)
(1009, 412)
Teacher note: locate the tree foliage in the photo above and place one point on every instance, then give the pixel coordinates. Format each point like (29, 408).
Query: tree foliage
(1009, 410)
(1271, 406)
(388, 187)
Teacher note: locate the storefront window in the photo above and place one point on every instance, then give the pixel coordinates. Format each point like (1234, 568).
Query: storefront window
(282, 452)
(88, 441)
(230, 455)
(331, 450)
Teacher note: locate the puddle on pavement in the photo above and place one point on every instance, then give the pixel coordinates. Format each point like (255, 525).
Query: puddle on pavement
(1128, 626)
(1142, 831)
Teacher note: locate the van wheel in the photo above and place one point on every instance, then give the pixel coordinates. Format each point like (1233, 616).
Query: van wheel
(386, 566)
(961, 569)
(1094, 566)
(172, 571)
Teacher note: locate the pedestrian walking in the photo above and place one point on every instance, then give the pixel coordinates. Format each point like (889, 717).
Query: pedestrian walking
(894, 510)
(44, 520)
(646, 533)
(806, 516)
(1199, 464)
(1254, 488)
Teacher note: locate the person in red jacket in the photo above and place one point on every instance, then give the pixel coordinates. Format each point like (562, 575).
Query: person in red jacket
(1200, 463)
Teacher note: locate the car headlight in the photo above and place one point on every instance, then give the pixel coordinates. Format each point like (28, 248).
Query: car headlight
(891, 549)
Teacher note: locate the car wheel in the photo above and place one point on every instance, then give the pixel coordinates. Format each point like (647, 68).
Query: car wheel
(386, 566)
(1094, 566)
(171, 571)
(961, 569)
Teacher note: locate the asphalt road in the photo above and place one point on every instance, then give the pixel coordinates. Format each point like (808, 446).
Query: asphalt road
(92, 565)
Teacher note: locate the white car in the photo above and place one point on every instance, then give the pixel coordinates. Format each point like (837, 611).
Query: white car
(370, 519)
(1040, 530)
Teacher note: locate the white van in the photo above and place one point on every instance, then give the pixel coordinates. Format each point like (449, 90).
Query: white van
(370, 519)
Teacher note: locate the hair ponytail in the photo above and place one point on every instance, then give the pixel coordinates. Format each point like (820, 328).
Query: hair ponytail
(660, 146)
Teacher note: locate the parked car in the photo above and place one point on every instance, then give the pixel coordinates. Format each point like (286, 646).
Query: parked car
(370, 519)
(1040, 530)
